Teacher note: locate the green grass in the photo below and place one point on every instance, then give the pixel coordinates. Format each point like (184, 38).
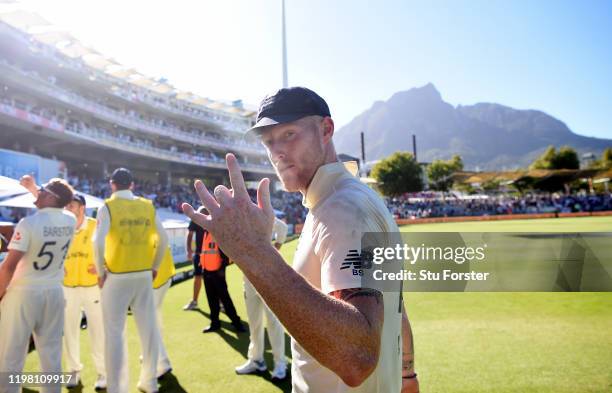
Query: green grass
(465, 342)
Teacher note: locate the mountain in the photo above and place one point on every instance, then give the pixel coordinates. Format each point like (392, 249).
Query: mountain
(487, 136)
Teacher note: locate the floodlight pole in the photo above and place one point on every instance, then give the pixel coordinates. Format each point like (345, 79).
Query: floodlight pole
(284, 38)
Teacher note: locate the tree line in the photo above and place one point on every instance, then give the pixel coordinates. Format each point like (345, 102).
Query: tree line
(400, 173)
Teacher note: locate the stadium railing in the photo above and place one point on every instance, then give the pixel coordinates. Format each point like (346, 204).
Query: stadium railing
(43, 86)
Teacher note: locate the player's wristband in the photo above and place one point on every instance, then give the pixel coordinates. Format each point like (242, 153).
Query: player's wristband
(414, 375)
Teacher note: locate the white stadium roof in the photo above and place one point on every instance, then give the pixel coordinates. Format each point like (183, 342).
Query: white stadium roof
(44, 32)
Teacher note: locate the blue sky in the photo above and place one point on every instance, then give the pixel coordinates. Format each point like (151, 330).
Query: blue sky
(554, 56)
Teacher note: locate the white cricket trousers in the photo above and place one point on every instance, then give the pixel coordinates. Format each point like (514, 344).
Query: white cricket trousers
(256, 308)
(121, 291)
(88, 300)
(26, 311)
(163, 363)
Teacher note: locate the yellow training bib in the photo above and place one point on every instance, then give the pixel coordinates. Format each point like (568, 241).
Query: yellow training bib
(130, 243)
(166, 270)
(80, 259)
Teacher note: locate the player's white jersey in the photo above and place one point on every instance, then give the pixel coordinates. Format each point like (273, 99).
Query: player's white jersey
(44, 237)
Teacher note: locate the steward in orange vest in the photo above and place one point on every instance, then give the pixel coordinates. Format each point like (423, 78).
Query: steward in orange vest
(214, 262)
(211, 257)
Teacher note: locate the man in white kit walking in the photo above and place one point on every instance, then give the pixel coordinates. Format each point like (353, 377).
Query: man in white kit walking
(256, 308)
(130, 242)
(33, 271)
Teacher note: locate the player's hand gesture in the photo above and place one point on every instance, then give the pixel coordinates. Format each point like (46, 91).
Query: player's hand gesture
(28, 182)
(237, 224)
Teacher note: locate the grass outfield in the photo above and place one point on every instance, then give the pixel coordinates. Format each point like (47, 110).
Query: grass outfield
(465, 342)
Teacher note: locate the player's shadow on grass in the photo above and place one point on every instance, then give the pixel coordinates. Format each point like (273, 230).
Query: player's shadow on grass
(240, 343)
(169, 383)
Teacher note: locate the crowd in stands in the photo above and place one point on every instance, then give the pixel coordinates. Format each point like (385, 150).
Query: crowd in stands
(133, 93)
(290, 203)
(419, 206)
(172, 197)
(116, 137)
(422, 205)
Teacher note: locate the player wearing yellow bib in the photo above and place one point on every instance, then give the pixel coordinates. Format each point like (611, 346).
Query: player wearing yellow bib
(160, 286)
(34, 302)
(81, 292)
(128, 261)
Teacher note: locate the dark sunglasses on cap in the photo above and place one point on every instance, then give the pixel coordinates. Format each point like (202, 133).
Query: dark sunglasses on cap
(45, 189)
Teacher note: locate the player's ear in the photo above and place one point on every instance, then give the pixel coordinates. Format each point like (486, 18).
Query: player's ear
(327, 126)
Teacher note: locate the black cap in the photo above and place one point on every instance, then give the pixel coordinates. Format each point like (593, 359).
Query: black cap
(289, 104)
(122, 177)
(78, 198)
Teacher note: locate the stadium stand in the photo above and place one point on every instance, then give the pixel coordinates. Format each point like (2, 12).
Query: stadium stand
(62, 100)
(432, 205)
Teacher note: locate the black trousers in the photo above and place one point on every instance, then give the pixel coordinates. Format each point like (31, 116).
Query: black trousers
(216, 290)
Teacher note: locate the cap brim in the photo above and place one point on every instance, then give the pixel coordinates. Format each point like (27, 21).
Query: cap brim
(272, 121)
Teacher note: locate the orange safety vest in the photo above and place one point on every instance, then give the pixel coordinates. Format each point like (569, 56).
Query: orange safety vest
(210, 257)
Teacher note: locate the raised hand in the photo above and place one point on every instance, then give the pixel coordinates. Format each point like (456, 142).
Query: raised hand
(237, 224)
(28, 182)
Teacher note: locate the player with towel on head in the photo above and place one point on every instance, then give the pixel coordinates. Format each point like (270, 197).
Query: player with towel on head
(130, 243)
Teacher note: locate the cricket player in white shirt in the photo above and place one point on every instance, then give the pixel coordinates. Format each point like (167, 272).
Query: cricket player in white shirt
(345, 337)
(256, 308)
(129, 245)
(81, 293)
(32, 299)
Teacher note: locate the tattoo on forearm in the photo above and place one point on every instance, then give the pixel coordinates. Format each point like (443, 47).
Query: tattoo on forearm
(351, 293)
(347, 294)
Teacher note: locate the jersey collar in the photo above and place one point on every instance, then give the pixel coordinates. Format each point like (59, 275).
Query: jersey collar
(51, 209)
(323, 183)
(125, 194)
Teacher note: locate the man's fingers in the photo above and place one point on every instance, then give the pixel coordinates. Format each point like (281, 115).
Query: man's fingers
(209, 202)
(263, 196)
(199, 218)
(235, 175)
(222, 194)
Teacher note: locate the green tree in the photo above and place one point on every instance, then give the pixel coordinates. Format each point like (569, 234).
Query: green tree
(440, 173)
(565, 158)
(397, 174)
(606, 157)
(545, 160)
(605, 162)
(456, 163)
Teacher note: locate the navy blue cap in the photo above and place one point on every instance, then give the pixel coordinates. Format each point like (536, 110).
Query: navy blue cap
(78, 198)
(122, 177)
(287, 105)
